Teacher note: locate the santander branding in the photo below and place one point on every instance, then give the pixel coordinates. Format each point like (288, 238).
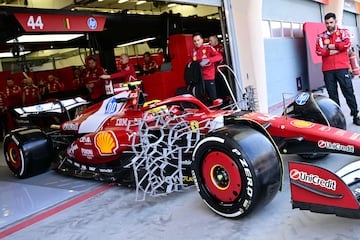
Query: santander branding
(312, 179)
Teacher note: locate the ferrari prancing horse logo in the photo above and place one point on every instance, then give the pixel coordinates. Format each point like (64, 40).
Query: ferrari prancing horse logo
(194, 125)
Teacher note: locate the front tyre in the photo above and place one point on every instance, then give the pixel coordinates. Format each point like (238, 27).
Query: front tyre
(236, 169)
(27, 152)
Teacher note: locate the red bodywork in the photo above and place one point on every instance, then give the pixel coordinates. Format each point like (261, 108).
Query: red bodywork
(326, 139)
(107, 135)
(110, 128)
(316, 185)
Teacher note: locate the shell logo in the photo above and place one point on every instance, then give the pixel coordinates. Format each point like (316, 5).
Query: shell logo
(106, 143)
(302, 124)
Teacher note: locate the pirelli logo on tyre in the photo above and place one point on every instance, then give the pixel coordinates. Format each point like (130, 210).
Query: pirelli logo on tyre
(336, 146)
(313, 179)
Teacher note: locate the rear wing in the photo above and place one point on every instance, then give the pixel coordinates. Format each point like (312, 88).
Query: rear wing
(58, 106)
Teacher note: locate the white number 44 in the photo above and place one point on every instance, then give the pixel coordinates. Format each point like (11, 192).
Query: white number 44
(34, 24)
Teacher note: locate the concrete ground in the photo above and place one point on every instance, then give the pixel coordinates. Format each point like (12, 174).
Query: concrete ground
(113, 213)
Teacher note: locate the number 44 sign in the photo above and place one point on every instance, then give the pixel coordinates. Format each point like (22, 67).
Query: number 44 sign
(35, 24)
(31, 22)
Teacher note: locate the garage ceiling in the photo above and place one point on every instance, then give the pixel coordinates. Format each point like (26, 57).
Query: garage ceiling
(152, 7)
(126, 21)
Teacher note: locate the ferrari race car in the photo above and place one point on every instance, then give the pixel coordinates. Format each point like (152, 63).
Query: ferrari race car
(232, 155)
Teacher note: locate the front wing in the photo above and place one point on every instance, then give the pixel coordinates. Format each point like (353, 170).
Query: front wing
(319, 190)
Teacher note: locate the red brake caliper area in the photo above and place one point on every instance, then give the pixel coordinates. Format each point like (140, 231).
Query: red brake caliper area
(221, 176)
(14, 155)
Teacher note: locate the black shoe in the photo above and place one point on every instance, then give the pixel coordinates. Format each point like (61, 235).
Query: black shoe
(356, 121)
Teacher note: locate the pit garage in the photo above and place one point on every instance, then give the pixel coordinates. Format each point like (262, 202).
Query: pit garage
(54, 206)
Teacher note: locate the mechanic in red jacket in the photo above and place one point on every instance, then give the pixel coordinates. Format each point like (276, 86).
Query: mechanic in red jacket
(206, 55)
(31, 93)
(221, 88)
(13, 100)
(3, 116)
(219, 47)
(149, 66)
(126, 73)
(13, 93)
(54, 85)
(333, 46)
(93, 83)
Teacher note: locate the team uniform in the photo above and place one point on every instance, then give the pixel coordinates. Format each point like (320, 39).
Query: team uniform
(93, 77)
(221, 89)
(149, 67)
(13, 100)
(31, 95)
(125, 74)
(54, 87)
(14, 96)
(3, 116)
(336, 67)
(220, 49)
(208, 70)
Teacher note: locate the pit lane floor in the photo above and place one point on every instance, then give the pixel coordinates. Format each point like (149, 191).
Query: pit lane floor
(51, 206)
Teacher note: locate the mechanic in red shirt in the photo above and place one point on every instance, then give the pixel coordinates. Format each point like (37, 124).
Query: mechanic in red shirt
(126, 73)
(13, 93)
(13, 99)
(31, 93)
(93, 82)
(333, 46)
(206, 55)
(219, 47)
(3, 116)
(221, 88)
(43, 90)
(54, 85)
(149, 66)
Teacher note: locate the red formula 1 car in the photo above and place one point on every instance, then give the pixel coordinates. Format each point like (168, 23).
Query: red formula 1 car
(232, 156)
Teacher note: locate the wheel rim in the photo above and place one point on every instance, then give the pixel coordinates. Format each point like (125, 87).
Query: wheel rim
(221, 176)
(14, 155)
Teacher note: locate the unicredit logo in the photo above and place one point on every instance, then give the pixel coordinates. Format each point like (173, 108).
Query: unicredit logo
(312, 179)
(336, 146)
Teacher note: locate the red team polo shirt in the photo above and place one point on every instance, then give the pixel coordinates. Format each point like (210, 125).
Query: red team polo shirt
(3, 103)
(14, 96)
(126, 73)
(54, 87)
(31, 95)
(93, 76)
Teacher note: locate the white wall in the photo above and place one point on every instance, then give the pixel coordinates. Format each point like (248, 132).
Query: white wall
(285, 58)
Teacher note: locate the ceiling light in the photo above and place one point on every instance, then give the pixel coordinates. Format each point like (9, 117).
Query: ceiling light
(122, 1)
(140, 2)
(45, 38)
(136, 42)
(100, 0)
(171, 5)
(9, 54)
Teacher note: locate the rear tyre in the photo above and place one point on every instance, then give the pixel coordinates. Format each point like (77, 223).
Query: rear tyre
(27, 152)
(236, 169)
